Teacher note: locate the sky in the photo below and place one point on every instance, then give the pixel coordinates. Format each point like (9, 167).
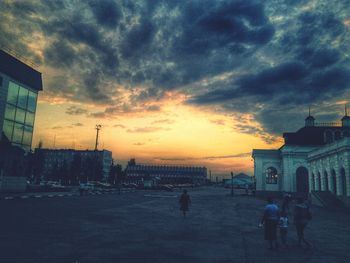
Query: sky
(199, 82)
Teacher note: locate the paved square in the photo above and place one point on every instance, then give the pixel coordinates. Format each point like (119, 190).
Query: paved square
(148, 227)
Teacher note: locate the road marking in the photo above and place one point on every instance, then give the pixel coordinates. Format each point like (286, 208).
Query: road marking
(60, 195)
(166, 196)
(9, 198)
(24, 196)
(38, 196)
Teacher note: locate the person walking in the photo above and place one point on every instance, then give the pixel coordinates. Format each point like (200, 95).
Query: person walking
(270, 221)
(302, 216)
(286, 201)
(184, 201)
(283, 224)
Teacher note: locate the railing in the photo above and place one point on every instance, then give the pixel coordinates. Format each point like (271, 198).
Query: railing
(333, 124)
(18, 56)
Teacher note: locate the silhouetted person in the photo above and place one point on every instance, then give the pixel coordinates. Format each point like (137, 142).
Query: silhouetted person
(270, 221)
(184, 201)
(302, 216)
(286, 201)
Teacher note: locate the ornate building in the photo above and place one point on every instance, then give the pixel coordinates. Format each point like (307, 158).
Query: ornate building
(316, 157)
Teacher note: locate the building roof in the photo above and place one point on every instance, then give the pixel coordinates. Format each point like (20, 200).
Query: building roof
(314, 135)
(20, 71)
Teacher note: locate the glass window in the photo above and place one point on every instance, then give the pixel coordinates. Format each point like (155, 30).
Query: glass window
(10, 112)
(17, 133)
(22, 98)
(12, 93)
(32, 101)
(20, 115)
(29, 118)
(27, 135)
(271, 175)
(8, 128)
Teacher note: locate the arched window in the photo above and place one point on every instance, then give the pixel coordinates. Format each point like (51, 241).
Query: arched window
(271, 175)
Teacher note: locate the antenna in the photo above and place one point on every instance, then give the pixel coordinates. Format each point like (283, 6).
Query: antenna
(309, 110)
(346, 110)
(98, 128)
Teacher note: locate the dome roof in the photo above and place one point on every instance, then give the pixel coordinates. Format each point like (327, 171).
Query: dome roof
(309, 118)
(345, 118)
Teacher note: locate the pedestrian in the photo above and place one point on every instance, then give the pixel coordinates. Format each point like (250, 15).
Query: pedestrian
(184, 201)
(283, 224)
(270, 221)
(302, 215)
(286, 201)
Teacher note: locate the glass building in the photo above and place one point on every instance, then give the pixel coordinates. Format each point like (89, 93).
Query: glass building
(19, 87)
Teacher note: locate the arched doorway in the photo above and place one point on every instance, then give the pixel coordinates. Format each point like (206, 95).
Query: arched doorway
(302, 177)
(326, 184)
(333, 182)
(343, 181)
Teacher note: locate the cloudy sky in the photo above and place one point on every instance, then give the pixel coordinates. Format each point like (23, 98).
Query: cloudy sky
(183, 82)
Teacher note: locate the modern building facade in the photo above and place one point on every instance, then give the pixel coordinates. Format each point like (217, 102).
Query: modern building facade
(55, 158)
(165, 173)
(19, 87)
(316, 157)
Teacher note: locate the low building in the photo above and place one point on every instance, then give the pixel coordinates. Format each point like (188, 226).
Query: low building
(137, 173)
(316, 157)
(89, 161)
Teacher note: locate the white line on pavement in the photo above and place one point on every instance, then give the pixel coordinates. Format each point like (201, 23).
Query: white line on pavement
(8, 198)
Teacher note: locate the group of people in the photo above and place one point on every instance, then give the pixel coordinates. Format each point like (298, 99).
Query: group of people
(274, 218)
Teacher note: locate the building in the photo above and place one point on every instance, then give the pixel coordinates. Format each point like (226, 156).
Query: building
(316, 157)
(90, 162)
(165, 173)
(19, 87)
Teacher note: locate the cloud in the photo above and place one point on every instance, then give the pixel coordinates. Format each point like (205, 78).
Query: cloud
(218, 122)
(139, 144)
(119, 126)
(57, 128)
(231, 156)
(240, 56)
(147, 129)
(163, 121)
(78, 124)
(74, 110)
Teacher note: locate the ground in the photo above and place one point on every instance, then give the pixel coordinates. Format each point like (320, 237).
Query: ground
(146, 226)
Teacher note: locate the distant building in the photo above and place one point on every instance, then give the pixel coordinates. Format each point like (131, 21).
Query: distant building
(165, 173)
(55, 158)
(19, 87)
(316, 157)
(240, 180)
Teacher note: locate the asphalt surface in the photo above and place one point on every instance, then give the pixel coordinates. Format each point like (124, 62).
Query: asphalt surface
(147, 226)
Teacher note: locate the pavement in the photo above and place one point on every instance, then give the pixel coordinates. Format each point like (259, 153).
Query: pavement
(147, 226)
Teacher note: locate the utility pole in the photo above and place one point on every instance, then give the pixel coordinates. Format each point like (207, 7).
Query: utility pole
(232, 184)
(98, 128)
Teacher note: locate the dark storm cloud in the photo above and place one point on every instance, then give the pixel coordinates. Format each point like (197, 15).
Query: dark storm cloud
(106, 12)
(246, 56)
